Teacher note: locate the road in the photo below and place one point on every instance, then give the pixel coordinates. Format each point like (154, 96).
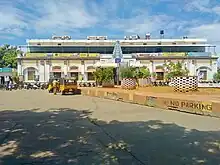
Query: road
(41, 128)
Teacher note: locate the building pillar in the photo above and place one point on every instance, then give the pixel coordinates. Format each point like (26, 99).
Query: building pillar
(65, 68)
(42, 71)
(47, 70)
(151, 68)
(19, 68)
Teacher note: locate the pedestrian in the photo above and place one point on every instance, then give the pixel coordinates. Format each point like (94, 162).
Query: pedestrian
(55, 86)
(10, 85)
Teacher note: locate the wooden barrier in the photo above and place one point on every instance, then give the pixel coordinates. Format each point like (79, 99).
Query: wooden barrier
(207, 108)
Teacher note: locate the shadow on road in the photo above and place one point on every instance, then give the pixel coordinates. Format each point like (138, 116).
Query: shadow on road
(67, 136)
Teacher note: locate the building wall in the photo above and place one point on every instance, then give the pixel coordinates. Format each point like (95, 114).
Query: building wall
(43, 68)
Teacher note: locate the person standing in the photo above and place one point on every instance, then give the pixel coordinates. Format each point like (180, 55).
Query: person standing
(10, 85)
(7, 82)
(55, 86)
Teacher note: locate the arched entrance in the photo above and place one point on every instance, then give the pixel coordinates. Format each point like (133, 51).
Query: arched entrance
(90, 70)
(56, 72)
(30, 74)
(202, 72)
(160, 72)
(74, 72)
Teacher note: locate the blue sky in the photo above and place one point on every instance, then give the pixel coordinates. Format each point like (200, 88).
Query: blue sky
(26, 19)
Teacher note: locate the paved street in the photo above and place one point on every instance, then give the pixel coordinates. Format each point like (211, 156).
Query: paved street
(39, 128)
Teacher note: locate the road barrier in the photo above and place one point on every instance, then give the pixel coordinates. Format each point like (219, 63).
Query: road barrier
(207, 108)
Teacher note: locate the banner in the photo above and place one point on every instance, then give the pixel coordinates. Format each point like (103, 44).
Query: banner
(5, 70)
(36, 54)
(65, 54)
(148, 54)
(83, 55)
(174, 54)
(199, 54)
(88, 54)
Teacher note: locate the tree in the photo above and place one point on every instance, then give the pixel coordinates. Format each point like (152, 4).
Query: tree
(143, 72)
(216, 76)
(103, 75)
(175, 70)
(8, 56)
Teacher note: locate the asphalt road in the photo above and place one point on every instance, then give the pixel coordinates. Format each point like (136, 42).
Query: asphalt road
(39, 128)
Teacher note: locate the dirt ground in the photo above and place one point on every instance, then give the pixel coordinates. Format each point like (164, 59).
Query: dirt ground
(40, 128)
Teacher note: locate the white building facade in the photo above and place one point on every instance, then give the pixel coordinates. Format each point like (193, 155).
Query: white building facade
(79, 58)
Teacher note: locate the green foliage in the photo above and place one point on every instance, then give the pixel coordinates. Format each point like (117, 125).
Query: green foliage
(154, 74)
(128, 72)
(143, 72)
(216, 76)
(8, 56)
(107, 74)
(98, 75)
(103, 74)
(175, 70)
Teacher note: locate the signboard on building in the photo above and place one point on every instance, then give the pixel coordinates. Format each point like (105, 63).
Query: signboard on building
(199, 54)
(63, 54)
(117, 60)
(88, 55)
(174, 54)
(5, 70)
(149, 54)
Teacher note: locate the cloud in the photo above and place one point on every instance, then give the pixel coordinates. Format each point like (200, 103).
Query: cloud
(63, 16)
(11, 21)
(209, 31)
(199, 5)
(78, 18)
(204, 6)
(140, 24)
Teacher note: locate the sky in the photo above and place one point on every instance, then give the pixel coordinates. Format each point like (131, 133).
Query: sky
(38, 19)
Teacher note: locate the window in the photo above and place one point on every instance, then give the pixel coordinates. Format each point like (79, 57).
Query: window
(74, 75)
(160, 75)
(194, 43)
(59, 44)
(57, 74)
(174, 43)
(38, 44)
(90, 76)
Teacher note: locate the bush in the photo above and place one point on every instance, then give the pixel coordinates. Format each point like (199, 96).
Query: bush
(127, 72)
(143, 72)
(107, 74)
(216, 76)
(98, 75)
(103, 75)
(175, 70)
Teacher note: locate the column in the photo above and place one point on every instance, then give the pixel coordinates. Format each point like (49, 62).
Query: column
(42, 71)
(47, 70)
(65, 68)
(83, 70)
(19, 68)
(151, 68)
